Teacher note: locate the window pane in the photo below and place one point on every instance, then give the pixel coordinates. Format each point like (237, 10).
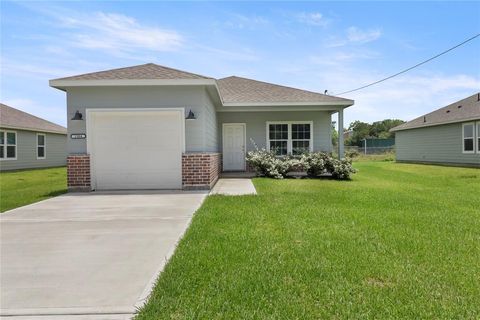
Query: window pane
(301, 131)
(468, 145)
(11, 151)
(41, 152)
(41, 140)
(11, 138)
(278, 131)
(468, 131)
(279, 147)
(2, 137)
(478, 136)
(2, 152)
(284, 131)
(299, 147)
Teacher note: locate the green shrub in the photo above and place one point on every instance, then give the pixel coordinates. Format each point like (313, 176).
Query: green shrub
(317, 163)
(268, 164)
(342, 169)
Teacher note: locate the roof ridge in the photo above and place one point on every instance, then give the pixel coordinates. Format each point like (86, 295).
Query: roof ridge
(283, 86)
(135, 66)
(456, 114)
(106, 70)
(159, 65)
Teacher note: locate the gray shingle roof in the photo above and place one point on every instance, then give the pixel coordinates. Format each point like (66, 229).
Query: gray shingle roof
(14, 118)
(144, 71)
(242, 90)
(231, 89)
(464, 110)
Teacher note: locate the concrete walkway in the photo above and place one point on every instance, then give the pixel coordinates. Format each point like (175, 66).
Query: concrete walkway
(88, 256)
(234, 187)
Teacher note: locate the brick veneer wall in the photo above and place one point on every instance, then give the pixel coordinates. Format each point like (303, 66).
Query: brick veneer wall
(200, 170)
(78, 172)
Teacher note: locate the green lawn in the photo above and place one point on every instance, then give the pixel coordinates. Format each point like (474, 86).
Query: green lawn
(19, 188)
(399, 241)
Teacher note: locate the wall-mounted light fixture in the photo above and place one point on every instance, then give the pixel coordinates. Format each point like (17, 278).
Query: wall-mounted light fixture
(190, 116)
(77, 116)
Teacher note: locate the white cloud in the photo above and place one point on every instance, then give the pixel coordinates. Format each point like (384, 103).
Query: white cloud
(405, 97)
(313, 19)
(408, 97)
(240, 54)
(111, 31)
(240, 21)
(341, 58)
(354, 35)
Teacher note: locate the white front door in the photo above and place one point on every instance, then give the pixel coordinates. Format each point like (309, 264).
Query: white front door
(233, 146)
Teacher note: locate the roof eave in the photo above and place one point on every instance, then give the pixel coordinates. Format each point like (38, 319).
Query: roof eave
(344, 104)
(396, 129)
(63, 84)
(10, 127)
(290, 107)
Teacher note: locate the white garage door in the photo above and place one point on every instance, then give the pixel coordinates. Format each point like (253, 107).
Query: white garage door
(136, 149)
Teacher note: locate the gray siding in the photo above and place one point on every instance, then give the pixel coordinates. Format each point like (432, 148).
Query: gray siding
(256, 123)
(200, 134)
(440, 144)
(210, 131)
(27, 151)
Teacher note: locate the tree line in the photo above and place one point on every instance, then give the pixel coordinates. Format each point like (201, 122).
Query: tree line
(358, 131)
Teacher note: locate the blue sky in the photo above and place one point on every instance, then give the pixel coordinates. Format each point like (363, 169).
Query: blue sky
(311, 45)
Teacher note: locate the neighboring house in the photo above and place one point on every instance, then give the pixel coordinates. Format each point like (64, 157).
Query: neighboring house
(450, 135)
(153, 127)
(347, 134)
(27, 141)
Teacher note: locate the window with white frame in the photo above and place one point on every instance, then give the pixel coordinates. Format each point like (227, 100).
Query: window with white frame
(8, 145)
(289, 137)
(478, 137)
(41, 143)
(468, 135)
(278, 138)
(300, 138)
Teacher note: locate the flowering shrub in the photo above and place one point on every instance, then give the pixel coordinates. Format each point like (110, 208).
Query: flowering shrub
(268, 164)
(317, 163)
(342, 169)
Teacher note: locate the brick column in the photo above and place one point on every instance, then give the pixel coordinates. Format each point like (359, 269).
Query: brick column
(78, 172)
(200, 171)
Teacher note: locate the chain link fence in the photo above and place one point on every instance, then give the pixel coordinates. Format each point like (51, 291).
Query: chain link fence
(369, 150)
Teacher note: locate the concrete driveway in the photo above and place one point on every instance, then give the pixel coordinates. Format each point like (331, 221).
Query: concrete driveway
(88, 256)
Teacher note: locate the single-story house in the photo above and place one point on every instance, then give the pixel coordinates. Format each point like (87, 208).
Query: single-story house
(27, 141)
(154, 127)
(449, 135)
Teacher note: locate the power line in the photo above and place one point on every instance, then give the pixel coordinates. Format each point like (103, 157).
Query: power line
(413, 67)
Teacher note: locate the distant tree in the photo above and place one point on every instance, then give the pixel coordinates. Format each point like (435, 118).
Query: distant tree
(360, 130)
(379, 129)
(334, 134)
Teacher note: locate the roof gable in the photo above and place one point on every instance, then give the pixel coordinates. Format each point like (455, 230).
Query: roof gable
(463, 110)
(144, 71)
(242, 90)
(14, 118)
(233, 91)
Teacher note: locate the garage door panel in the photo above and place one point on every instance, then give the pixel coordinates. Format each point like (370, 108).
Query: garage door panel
(137, 150)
